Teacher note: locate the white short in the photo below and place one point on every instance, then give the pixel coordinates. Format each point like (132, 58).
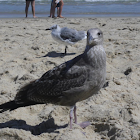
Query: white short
(57, 1)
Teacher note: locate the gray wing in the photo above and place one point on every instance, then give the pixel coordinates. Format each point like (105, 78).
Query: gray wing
(51, 86)
(72, 35)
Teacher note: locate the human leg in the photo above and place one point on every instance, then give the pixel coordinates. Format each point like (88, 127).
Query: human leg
(57, 11)
(33, 8)
(60, 9)
(26, 8)
(53, 8)
(50, 11)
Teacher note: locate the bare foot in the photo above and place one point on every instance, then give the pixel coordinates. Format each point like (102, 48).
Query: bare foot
(54, 17)
(34, 17)
(60, 16)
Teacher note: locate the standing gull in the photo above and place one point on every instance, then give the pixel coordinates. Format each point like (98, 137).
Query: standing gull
(66, 35)
(68, 83)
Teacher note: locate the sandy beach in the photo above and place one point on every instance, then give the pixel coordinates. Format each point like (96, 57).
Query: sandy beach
(27, 51)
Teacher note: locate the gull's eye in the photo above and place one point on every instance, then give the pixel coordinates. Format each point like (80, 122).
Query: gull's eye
(99, 34)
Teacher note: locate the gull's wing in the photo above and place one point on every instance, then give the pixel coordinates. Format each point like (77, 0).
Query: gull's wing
(72, 35)
(50, 87)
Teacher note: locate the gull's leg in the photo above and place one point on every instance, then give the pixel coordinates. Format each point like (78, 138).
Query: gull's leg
(83, 124)
(63, 54)
(66, 50)
(75, 116)
(71, 116)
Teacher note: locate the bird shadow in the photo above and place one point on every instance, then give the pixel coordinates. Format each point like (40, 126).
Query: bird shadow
(55, 54)
(46, 126)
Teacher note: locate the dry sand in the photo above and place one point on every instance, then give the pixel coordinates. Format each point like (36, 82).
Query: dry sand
(114, 113)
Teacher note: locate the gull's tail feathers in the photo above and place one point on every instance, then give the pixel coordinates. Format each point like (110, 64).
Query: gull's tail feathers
(21, 100)
(8, 106)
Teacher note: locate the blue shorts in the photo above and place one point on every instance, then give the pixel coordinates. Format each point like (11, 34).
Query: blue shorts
(58, 4)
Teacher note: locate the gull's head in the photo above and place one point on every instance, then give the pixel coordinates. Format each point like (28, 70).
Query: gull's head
(54, 28)
(94, 37)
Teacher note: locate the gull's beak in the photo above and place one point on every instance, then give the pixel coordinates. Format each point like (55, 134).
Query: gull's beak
(48, 29)
(90, 39)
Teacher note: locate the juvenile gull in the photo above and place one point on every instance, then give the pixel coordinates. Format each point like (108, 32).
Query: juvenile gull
(68, 83)
(66, 35)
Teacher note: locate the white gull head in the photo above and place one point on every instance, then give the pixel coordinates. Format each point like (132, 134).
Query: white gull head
(55, 28)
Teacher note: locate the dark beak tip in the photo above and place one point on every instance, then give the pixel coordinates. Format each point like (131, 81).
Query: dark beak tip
(47, 29)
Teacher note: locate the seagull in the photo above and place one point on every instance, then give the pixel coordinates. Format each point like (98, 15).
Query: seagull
(66, 35)
(68, 83)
